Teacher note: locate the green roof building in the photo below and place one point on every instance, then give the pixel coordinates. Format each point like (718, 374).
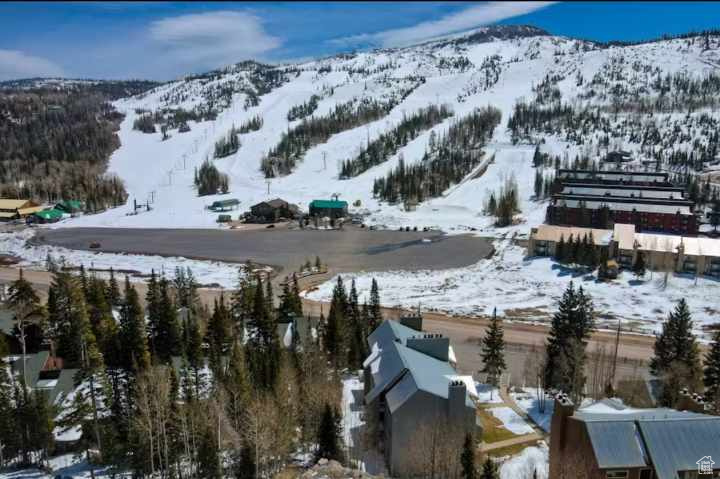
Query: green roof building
(48, 216)
(70, 206)
(329, 208)
(225, 205)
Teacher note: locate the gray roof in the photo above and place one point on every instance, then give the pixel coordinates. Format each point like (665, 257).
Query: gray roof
(668, 439)
(400, 371)
(389, 331)
(7, 321)
(676, 445)
(33, 365)
(616, 444)
(65, 384)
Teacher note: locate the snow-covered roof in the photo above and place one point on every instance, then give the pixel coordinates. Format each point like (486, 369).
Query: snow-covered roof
(623, 192)
(672, 243)
(554, 233)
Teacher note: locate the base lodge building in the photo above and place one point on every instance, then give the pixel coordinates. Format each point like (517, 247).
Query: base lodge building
(599, 199)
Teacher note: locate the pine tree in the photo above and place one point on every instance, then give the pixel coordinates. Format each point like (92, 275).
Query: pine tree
(560, 250)
(374, 311)
(113, 291)
(165, 328)
(208, 456)
(493, 347)
(24, 302)
(355, 331)
(237, 385)
(335, 327)
(329, 436)
(565, 350)
(676, 360)
(133, 336)
(712, 371)
(489, 470)
(218, 334)
(467, 458)
(246, 467)
(639, 265)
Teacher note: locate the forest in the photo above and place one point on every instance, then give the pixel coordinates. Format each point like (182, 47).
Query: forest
(387, 144)
(180, 387)
(315, 130)
(55, 142)
(446, 161)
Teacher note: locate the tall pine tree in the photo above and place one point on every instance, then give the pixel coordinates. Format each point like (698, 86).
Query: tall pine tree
(493, 351)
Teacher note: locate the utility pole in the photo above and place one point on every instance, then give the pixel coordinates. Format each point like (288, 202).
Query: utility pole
(324, 160)
(268, 185)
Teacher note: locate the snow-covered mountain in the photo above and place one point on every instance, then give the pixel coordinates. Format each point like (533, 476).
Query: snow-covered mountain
(494, 66)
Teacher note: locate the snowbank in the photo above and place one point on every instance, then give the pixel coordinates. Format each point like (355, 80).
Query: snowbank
(511, 420)
(522, 466)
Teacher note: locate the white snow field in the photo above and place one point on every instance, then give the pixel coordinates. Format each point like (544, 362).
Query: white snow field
(511, 420)
(529, 289)
(531, 459)
(528, 402)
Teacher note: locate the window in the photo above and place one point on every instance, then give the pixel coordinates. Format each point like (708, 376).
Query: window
(646, 474)
(617, 475)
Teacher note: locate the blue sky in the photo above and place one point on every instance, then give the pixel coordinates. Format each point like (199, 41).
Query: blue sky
(164, 40)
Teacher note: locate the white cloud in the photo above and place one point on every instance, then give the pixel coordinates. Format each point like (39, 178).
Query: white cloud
(214, 38)
(15, 64)
(471, 17)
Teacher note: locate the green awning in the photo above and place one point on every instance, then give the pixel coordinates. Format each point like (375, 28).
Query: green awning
(49, 215)
(329, 204)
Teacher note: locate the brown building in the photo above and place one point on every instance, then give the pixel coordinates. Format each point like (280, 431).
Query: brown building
(599, 199)
(273, 210)
(607, 440)
(16, 209)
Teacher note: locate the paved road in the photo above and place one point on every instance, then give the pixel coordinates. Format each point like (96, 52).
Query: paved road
(351, 249)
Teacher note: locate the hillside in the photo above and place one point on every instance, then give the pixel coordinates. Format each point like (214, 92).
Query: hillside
(56, 137)
(294, 126)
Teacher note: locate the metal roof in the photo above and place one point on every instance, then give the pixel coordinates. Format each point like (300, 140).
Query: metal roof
(49, 214)
(390, 363)
(328, 204)
(554, 233)
(10, 204)
(616, 444)
(622, 204)
(676, 445)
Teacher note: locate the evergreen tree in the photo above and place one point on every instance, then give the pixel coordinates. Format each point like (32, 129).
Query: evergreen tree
(489, 470)
(133, 336)
(676, 359)
(246, 467)
(208, 456)
(374, 311)
(113, 291)
(68, 317)
(467, 458)
(493, 351)
(263, 348)
(355, 331)
(565, 351)
(335, 327)
(165, 329)
(712, 371)
(218, 334)
(329, 435)
(639, 265)
(560, 250)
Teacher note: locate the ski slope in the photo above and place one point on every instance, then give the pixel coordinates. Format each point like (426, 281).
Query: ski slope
(162, 171)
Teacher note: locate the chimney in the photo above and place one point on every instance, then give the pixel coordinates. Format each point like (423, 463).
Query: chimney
(457, 391)
(564, 408)
(413, 321)
(435, 345)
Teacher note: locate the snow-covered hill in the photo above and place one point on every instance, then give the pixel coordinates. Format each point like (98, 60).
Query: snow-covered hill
(496, 66)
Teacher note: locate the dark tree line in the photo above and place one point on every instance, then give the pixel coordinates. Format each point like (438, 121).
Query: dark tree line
(229, 144)
(387, 144)
(210, 181)
(446, 161)
(305, 109)
(578, 251)
(180, 388)
(253, 124)
(55, 142)
(172, 118)
(312, 131)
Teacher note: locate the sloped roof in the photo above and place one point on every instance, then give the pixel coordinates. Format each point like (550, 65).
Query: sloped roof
(10, 204)
(328, 204)
(553, 233)
(676, 445)
(388, 331)
(49, 214)
(616, 444)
